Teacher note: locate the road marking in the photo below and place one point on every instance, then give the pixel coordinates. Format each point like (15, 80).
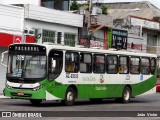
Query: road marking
(2, 96)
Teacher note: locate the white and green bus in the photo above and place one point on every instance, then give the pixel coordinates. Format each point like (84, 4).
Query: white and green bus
(39, 72)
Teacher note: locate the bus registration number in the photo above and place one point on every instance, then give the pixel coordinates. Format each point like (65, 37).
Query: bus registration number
(20, 93)
(69, 75)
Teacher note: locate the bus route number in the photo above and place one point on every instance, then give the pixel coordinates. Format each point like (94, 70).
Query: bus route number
(20, 57)
(69, 75)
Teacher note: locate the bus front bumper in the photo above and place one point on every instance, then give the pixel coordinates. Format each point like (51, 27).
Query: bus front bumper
(25, 94)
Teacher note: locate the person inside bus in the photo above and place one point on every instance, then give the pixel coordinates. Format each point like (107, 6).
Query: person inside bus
(125, 69)
(120, 70)
(69, 67)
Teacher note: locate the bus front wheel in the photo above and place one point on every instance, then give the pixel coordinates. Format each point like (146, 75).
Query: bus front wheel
(69, 97)
(36, 101)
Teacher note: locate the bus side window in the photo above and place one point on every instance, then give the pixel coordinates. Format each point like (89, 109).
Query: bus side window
(134, 65)
(145, 66)
(98, 63)
(71, 62)
(85, 62)
(83, 67)
(123, 64)
(112, 64)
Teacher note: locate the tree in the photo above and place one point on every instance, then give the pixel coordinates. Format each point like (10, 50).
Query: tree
(74, 6)
(104, 10)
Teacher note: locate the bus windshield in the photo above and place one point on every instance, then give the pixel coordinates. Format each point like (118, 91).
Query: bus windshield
(26, 66)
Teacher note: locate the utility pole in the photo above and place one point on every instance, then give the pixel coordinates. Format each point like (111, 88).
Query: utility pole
(24, 24)
(89, 21)
(89, 17)
(69, 5)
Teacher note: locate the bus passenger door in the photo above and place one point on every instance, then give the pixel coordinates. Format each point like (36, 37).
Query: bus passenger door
(55, 65)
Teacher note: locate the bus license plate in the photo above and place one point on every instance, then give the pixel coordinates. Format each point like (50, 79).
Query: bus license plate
(20, 93)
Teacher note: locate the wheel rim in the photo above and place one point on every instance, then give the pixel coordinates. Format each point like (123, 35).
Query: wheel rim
(70, 96)
(126, 95)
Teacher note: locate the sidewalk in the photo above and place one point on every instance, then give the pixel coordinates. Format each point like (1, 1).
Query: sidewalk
(2, 71)
(2, 96)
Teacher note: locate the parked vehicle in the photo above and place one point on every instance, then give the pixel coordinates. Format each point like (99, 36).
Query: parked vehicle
(158, 86)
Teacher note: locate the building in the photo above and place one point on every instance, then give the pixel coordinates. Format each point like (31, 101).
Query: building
(95, 35)
(142, 20)
(32, 23)
(51, 25)
(95, 29)
(7, 2)
(33, 20)
(56, 4)
(52, 4)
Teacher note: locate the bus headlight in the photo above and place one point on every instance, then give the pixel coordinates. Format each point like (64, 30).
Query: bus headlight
(9, 87)
(38, 87)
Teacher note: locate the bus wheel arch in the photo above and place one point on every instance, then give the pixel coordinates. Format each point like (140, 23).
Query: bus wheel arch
(129, 86)
(75, 89)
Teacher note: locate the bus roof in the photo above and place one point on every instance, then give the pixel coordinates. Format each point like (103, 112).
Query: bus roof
(93, 50)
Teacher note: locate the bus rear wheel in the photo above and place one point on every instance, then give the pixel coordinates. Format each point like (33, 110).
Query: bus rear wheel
(36, 101)
(69, 97)
(126, 95)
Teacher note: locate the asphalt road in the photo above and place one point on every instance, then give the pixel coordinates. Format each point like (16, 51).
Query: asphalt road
(108, 109)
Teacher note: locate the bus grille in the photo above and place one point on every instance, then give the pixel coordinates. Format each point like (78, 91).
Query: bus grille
(25, 95)
(17, 88)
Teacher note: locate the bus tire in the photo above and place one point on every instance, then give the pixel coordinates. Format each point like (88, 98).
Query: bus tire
(126, 95)
(70, 97)
(36, 101)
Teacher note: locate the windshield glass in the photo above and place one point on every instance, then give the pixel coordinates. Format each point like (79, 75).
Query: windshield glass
(26, 66)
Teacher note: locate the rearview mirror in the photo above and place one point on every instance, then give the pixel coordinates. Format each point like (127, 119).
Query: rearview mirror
(2, 58)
